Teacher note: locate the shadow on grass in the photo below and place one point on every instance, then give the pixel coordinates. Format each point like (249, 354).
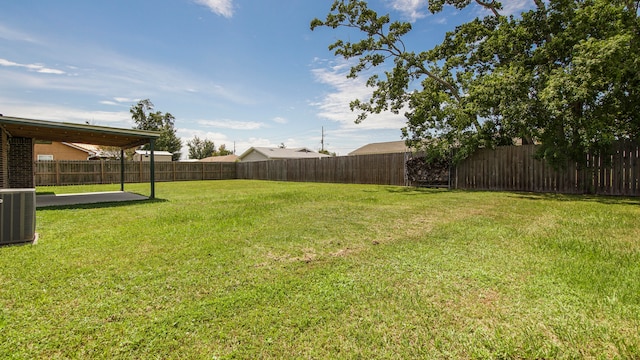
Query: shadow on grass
(613, 200)
(16, 244)
(101, 205)
(610, 200)
(412, 190)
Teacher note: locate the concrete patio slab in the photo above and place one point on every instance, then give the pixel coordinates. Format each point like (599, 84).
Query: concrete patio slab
(86, 198)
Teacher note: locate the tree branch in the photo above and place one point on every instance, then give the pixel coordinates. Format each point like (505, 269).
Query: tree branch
(489, 5)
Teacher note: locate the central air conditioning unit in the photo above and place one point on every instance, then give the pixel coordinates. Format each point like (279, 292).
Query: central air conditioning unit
(17, 216)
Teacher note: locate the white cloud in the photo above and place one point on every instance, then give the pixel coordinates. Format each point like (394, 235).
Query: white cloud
(105, 72)
(334, 106)
(125, 100)
(509, 7)
(12, 107)
(44, 70)
(216, 137)
(120, 101)
(220, 7)
(15, 35)
(232, 124)
(280, 120)
(33, 67)
(514, 7)
(244, 145)
(412, 9)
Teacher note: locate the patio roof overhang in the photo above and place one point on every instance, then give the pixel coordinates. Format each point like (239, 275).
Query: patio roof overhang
(76, 133)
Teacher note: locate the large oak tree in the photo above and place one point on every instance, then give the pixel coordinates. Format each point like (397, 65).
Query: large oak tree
(565, 74)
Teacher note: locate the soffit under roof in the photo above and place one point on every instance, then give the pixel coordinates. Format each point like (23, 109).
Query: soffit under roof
(76, 133)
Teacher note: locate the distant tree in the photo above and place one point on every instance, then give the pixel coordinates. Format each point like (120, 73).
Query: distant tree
(222, 151)
(146, 119)
(110, 152)
(200, 149)
(282, 146)
(128, 153)
(326, 152)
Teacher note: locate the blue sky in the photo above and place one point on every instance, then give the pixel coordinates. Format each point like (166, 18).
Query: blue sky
(238, 72)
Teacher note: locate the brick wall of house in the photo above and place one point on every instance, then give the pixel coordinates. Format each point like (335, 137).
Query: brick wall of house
(4, 150)
(20, 161)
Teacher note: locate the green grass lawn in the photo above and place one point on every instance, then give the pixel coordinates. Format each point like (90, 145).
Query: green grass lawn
(249, 269)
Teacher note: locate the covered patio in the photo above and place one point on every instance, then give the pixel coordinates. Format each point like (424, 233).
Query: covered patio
(19, 135)
(18, 200)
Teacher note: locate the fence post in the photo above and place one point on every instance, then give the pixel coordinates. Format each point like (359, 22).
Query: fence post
(101, 171)
(121, 169)
(58, 172)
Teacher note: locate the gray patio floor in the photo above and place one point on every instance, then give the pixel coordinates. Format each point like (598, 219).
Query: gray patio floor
(86, 198)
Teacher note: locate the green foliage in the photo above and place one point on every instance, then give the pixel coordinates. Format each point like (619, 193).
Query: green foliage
(145, 119)
(200, 149)
(222, 151)
(111, 152)
(272, 270)
(564, 74)
(327, 152)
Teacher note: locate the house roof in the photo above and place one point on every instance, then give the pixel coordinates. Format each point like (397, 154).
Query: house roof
(155, 152)
(284, 153)
(76, 133)
(390, 147)
(93, 151)
(225, 158)
(89, 149)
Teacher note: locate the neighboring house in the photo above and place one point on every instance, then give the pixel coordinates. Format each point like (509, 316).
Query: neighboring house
(265, 153)
(225, 158)
(68, 151)
(145, 155)
(391, 147)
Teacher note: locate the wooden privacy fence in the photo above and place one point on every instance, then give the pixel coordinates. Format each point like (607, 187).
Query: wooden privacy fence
(108, 172)
(509, 168)
(385, 169)
(514, 168)
(382, 169)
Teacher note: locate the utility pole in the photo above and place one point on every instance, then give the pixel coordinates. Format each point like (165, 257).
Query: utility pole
(322, 141)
